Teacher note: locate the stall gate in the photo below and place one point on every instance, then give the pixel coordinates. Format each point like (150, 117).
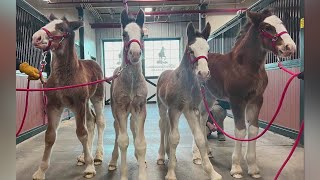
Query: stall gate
(28, 21)
(222, 41)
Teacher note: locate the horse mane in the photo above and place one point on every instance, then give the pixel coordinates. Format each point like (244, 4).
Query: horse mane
(242, 33)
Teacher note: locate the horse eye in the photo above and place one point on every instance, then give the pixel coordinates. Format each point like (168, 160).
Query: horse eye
(268, 28)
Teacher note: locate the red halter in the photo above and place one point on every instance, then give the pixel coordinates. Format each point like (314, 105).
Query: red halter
(54, 37)
(274, 38)
(127, 45)
(192, 61)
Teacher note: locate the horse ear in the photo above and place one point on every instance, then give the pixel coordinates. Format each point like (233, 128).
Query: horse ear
(124, 18)
(74, 25)
(206, 31)
(140, 18)
(267, 12)
(52, 17)
(191, 32)
(64, 19)
(254, 17)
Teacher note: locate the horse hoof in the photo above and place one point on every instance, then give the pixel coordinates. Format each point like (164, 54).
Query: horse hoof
(79, 163)
(255, 176)
(112, 167)
(197, 161)
(217, 177)
(89, 172)
(89, 175)
(97, 161)
(80, 160)
(170, 178)
(237, 176)
(38, 175)
(160, 161)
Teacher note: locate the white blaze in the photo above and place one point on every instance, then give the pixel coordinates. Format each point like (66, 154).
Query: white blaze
(278, 25)
(200, 48)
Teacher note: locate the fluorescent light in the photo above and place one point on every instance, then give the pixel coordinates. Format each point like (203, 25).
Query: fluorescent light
(147, 9)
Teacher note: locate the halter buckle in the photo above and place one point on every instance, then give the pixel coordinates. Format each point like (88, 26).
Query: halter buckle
(275, 38)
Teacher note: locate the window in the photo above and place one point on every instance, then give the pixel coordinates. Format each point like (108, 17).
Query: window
(112, 56)
(161, 55)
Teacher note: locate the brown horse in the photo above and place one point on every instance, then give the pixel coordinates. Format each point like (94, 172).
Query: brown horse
(178, 91)
(67, 69)
(129, 95)
(240, 78)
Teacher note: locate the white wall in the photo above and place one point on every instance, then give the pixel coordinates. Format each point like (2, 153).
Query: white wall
(218, 20)
(89, 36)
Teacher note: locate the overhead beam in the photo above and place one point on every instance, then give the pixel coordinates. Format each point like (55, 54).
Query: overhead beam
(206, 11)
(118, 25)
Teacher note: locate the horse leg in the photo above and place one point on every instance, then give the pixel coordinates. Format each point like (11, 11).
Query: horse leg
(115, 152)
(98, 104)
(174, 137)
(196, 157)
(83, 136)
(238, 110)
(90, 122)
(252, 113)
(123, 141)
(163, 125)
(133, 120)
(140, 113)
(193, 119)
(54, 114)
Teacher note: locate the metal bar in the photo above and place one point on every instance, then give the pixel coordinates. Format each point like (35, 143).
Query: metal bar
(118, 25)
(120, 1)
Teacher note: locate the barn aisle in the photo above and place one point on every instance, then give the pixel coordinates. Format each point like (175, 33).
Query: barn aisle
(272, 150)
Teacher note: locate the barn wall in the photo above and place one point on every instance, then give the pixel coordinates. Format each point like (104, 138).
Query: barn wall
(35, 115)
(89, 36)
(219, 19)
(160, 30)
(289, 115)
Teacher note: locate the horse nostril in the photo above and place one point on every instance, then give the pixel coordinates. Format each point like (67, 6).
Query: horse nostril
(39, 39)
(130, 52)
(288, 48)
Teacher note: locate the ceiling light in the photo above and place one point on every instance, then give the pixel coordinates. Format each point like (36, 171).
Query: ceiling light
(147, 9)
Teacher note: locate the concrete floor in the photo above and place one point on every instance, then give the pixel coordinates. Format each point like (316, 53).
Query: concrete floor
(272, 150)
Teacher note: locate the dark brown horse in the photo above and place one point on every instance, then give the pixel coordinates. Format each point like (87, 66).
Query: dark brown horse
(240, 78)
(178, 91)
(67, 69)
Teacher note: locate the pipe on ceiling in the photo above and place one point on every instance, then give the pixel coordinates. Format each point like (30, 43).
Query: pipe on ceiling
(118, 25)
(207, 11)
(120, 1)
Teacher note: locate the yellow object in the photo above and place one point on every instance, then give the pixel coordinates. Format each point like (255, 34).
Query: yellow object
(302, 23)
(33, 73)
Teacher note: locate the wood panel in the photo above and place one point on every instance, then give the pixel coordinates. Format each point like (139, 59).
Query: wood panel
(289, 115)
(35, 114)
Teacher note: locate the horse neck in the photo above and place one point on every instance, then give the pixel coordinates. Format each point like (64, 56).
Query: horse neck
(65, 58)
(249, 51)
